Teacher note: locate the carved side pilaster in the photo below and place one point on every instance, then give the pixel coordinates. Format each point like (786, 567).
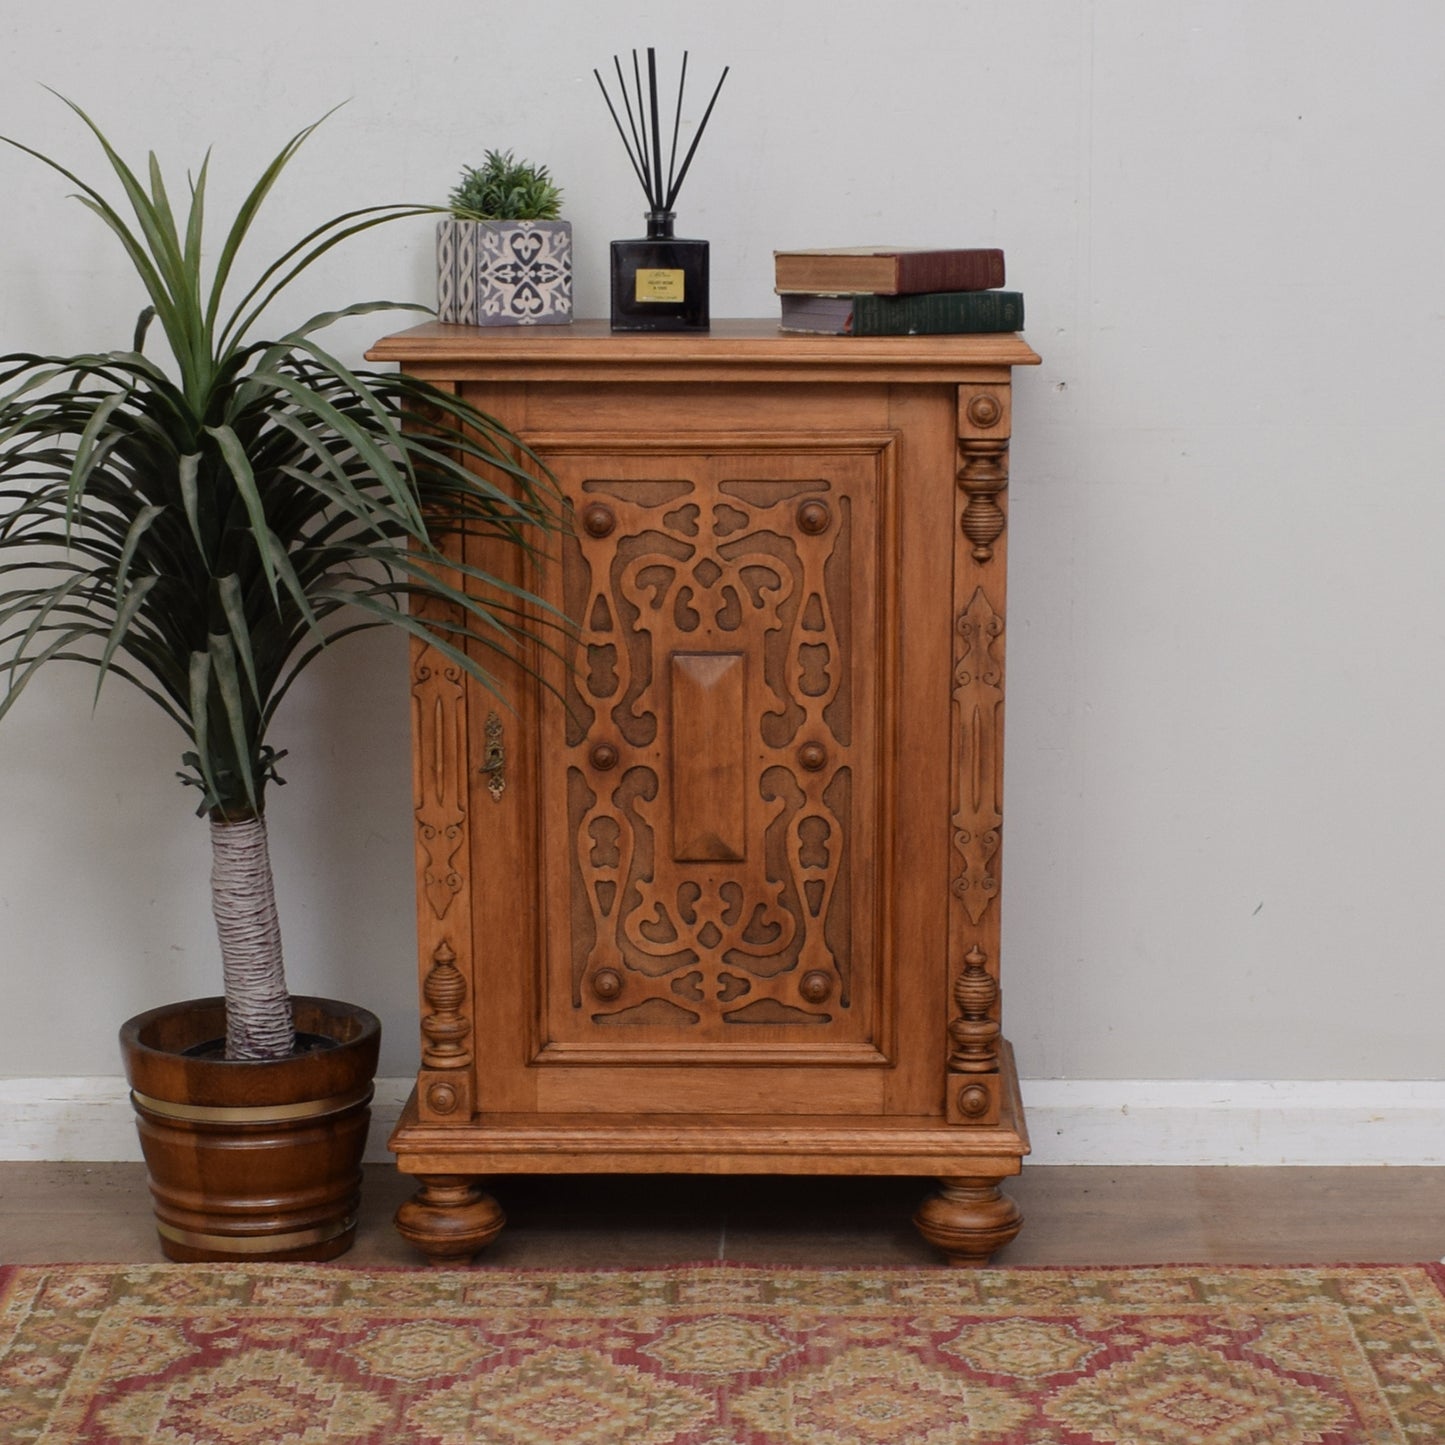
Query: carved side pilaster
(446, 1088)
(972, 1085)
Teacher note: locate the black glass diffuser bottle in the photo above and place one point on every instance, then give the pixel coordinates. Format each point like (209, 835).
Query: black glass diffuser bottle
(659, 281)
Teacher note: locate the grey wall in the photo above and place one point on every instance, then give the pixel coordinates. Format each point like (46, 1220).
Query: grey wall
(1226, 693)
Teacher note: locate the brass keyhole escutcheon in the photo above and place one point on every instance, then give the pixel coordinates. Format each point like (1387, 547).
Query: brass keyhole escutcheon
(494, 759)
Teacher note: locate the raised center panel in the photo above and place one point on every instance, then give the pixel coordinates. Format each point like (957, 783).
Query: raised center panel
(713, 827)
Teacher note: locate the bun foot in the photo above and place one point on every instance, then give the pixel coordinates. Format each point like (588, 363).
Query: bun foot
(450, 1218)
(968, 1219)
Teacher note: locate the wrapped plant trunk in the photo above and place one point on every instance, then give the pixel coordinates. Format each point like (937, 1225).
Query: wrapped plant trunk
(243, 897)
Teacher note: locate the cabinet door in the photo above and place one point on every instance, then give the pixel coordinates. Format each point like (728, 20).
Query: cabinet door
(715, 836)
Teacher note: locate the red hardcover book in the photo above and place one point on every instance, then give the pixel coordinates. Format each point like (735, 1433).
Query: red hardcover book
(886, 270)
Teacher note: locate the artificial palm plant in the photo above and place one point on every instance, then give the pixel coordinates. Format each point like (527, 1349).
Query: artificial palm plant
(204, 527)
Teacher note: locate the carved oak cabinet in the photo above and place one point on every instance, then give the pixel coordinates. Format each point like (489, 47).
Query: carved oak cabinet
(725, 898)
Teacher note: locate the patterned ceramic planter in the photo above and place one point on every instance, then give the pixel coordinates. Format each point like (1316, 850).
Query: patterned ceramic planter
(504, 273)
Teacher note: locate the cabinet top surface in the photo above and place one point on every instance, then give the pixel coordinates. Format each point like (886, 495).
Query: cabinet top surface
(743, 343)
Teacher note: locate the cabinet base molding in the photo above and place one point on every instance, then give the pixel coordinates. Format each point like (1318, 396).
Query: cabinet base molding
(452, 1218)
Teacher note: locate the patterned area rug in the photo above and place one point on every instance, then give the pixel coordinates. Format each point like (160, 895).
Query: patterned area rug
(303, 1355)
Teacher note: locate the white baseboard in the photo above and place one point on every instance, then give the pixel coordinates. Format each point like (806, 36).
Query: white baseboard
(1257, 1121)
(1071, 1121)
(91, 1119)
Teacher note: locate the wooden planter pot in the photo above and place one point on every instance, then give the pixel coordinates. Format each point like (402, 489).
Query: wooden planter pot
(257, 1161)
(504, 273)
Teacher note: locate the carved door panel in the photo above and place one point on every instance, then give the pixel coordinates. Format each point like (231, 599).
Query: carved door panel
(715, 838)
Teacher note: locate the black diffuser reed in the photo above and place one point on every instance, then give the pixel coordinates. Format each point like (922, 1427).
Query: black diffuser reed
(659, 282)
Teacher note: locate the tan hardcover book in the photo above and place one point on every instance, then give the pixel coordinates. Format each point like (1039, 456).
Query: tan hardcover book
(887, 270)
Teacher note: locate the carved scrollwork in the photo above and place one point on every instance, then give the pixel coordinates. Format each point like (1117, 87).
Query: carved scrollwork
(710, 768)
(978, 701)
(439, 782)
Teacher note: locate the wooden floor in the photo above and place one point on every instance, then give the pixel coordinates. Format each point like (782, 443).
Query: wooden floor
(51, 1213)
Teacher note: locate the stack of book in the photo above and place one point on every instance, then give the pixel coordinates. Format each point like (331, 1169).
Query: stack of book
(895, 291)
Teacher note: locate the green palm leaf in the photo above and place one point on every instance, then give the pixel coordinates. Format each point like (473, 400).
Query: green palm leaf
(203, 528)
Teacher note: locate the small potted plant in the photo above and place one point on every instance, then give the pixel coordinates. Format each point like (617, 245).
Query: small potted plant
(503, 258)
(204, 528)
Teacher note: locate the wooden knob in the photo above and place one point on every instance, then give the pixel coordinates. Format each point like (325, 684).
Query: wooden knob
(812, 756)
(607, 983)
(598, 520)
(984, 411)
(816, 986)
(814, 517)
(603, 757)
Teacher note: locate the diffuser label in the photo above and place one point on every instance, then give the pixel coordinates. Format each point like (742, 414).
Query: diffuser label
(655, 284)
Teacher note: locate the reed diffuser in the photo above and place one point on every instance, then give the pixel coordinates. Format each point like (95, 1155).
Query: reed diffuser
(660, 281)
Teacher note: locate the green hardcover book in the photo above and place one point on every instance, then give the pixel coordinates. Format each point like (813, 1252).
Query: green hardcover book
(938, 313)
(934, 313)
